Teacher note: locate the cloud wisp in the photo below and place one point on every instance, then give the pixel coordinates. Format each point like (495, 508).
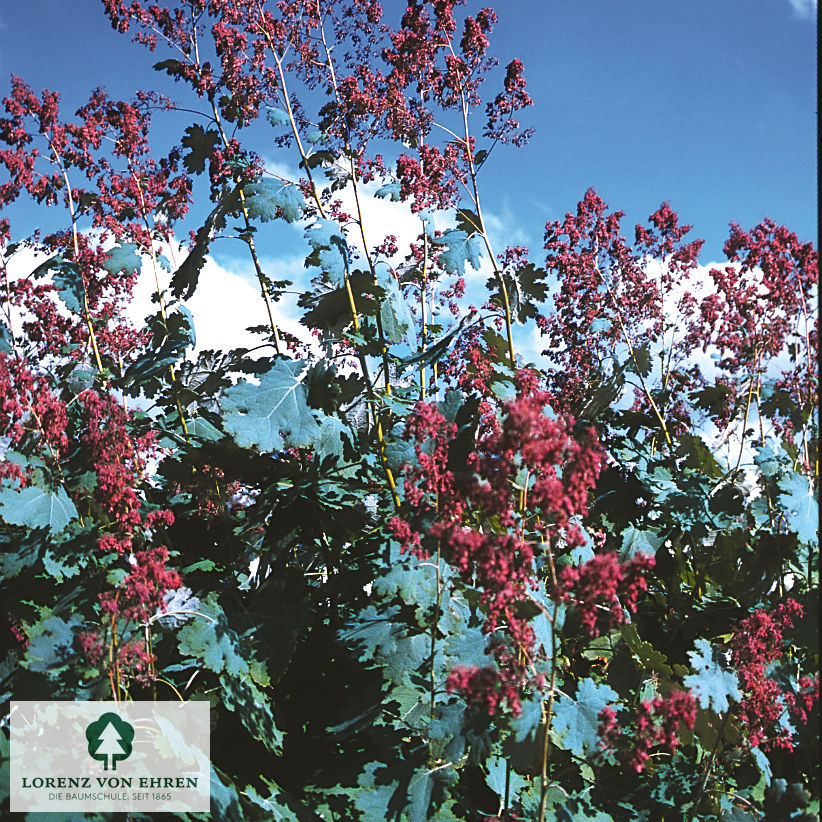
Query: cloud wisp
(805, 9)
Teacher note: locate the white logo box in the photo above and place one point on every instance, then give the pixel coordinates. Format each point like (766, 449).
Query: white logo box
(109, 756)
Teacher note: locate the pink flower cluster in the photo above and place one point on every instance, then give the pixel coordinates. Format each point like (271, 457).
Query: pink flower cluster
(104, 148)
(608, 300)
(144, 589)
(451, 506)
(27, 405)
(431, 180)
(501, 125)
(378, 81)
(655, 723)
(133, 658)
(759, 641)
(119, 462)
(602, 589)
(486, 689)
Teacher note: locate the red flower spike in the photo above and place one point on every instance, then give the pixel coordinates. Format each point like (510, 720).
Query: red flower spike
(499, 560)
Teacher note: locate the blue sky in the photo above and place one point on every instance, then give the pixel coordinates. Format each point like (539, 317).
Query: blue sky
(709, 105)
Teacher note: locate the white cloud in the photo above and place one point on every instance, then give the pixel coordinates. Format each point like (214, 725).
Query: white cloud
(805, 9)
(225, 304)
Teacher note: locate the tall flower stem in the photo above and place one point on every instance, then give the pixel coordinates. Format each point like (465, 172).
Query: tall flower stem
(423, 295)
(72, 211)
(249, 239)
(472, 171)
(159, 294)
(369, 259)
(249, 236)
(549, 707)
(632, 352)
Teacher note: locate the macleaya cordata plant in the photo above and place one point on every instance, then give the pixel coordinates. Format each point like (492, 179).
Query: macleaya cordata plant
(416, 576)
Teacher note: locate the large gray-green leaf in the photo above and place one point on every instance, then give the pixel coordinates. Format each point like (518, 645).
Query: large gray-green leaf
(394, 312)
(66, 275)
(273, 414)
(6, 338)
(210, 639)
(496, 779)
(799, 502)
(51, 641)
(636, 541)
(713, 682)
(579, 717)
(329, 442)
(276, 810)
(268, 198)
(456, 248)
(373, 794)
(123, 258)
(225, 801)
(35, 507)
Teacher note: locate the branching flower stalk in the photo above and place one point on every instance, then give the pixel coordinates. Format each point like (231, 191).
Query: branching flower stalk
(159, 294)
(86, 310)
(249, 236)
(549, 707)
(472, 170)
(752, 381)
(366, 252)
(423, 295)
(626, 336)
(249, 239)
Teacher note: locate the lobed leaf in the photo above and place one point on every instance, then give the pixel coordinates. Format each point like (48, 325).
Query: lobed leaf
(201, 145)
(123, 258)
(714, 683)
(456, 248)
(578, 718)
(268, 199)
(36, 507)
(273, 413)
(66, 275)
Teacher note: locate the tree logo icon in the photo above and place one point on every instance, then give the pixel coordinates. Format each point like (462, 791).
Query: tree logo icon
(109, 740)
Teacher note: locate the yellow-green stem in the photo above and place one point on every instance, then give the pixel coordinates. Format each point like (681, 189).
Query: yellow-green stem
(481, 229)
(86, 310)
(159, 293)
(304, 157)
(249, 239)
(548, 709)
(361, 223)
(632, 354)
(423, 290)
(747, 410)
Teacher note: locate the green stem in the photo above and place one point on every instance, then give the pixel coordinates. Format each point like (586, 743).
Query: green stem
(159, 293)
(632, 354)
(506, 304)
(87, 312)
(709, 766)
(249, 239)
(258, 269)
(434, 624)
(304, 157)
(423, 290)
(361, 223)
(548, 709)
(747, 410)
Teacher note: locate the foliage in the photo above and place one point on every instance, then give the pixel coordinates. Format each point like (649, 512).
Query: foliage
(416, 576)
